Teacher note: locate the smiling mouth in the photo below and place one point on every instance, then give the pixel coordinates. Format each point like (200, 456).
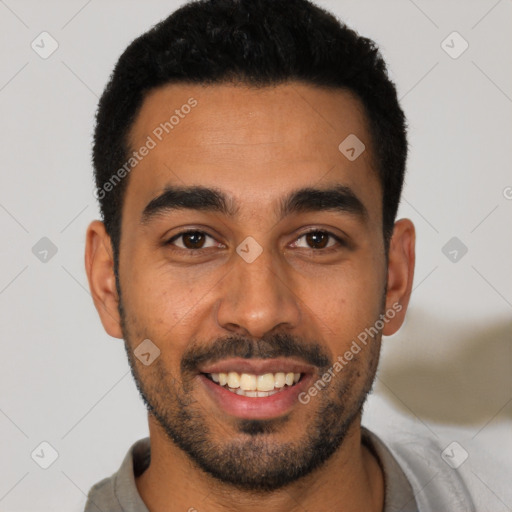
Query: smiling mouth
(253, 385)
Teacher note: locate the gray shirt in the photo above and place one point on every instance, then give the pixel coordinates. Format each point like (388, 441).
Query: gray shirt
(118, 492)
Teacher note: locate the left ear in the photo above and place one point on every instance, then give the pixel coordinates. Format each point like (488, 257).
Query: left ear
(400, 273)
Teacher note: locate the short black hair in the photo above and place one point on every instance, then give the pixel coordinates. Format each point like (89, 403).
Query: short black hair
(258, 43)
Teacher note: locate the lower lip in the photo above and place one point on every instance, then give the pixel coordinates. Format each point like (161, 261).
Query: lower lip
(246, 407)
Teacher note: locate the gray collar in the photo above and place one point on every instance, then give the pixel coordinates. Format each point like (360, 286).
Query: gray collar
(399, 495)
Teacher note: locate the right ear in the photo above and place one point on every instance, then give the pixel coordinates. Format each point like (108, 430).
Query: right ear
(99, 265)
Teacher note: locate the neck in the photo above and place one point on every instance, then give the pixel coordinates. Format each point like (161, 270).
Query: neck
(351, 480)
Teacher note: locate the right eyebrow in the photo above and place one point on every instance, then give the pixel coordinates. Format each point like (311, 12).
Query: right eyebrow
(194, 198)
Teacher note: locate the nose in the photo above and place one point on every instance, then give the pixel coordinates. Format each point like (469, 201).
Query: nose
(257, 298)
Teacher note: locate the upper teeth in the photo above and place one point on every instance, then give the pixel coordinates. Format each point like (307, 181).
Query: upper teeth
(253, 382)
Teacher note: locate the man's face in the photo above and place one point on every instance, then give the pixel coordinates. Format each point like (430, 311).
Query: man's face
(248, 291)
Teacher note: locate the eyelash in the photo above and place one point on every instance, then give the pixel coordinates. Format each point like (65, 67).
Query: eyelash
(169, 242)
(340, 241)
(189, 251)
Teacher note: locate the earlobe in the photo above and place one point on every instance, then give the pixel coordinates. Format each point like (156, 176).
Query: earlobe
(400, 274)
(99, 266)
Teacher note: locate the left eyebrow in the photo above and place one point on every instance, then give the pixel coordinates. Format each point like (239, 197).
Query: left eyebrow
(338, 198)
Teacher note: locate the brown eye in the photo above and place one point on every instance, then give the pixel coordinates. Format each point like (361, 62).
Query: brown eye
(317, 239)
(192, 240)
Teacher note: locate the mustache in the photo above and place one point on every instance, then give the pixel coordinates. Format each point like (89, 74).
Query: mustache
(268, 347)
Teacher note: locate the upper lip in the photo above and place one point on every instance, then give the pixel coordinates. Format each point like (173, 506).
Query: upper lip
(257, 366)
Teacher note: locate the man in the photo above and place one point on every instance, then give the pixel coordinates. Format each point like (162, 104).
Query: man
(249, 158)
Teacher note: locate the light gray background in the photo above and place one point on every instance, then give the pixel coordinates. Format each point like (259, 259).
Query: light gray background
(63, 380)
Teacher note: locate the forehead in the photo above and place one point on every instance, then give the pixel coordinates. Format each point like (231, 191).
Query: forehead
(254, 143)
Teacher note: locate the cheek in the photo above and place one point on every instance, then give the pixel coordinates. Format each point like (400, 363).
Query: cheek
(347, 301)
(168, 305)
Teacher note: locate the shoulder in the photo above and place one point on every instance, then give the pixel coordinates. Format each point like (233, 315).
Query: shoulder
(118, 492)
(436, 485)
(449, 475)
(102, 496)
